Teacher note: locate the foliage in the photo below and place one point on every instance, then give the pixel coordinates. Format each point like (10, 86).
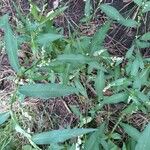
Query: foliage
(62, 62)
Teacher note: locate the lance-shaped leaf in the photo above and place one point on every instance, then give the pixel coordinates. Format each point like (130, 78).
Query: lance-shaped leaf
(59, 136)
(73, 58)
(114, 14)
(145, 37)
(131, 131)
(143, 141)
(98, 38)
(116, 98)
(10, 44)
(3, 117)
(46, 91)
(100, 83)
(48, 37)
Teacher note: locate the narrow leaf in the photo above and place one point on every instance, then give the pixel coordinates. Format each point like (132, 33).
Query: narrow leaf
(131, 131)
(116, 98)
(10, 44)
(114, 14)
(88, 8)
(100, 83)
(143, 141)
(135, 67)
(73, 58)
(98, 38)
(129, 52)
(59, 136)
(93, 143)
(111, 12)
(47, 38)
(46, 91)
(145, 37)
(119, 82)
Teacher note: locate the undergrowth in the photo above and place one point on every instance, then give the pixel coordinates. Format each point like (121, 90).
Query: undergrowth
(56, 65)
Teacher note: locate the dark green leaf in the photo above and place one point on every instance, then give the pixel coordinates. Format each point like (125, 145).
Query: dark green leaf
(46, 91)
(59, 136)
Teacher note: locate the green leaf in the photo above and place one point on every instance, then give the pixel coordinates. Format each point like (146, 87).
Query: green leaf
(114, 14)
(116, 136)
(135, 67)
(46, 91)
(81, 88)
(138, 2)
(144, 75)
(35, 11)
(119, 82)
(111, 12)
(93, 142)
(132, 108)
(131, 131)
(53, 14)
(142, 44)
(27, 147)
(55, 146)
(98, 38)
(3, 117)
(59, 136)
(146, 7)
(10, 44)
(100, 83)
(129, 52)
(45, 39)
(128, 22)
(142, 96)
(88, 8)
(143, 141)
(73, 58)
(116, 98)
(145, 37)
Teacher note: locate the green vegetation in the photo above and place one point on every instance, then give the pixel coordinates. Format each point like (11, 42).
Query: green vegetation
(59, 65)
